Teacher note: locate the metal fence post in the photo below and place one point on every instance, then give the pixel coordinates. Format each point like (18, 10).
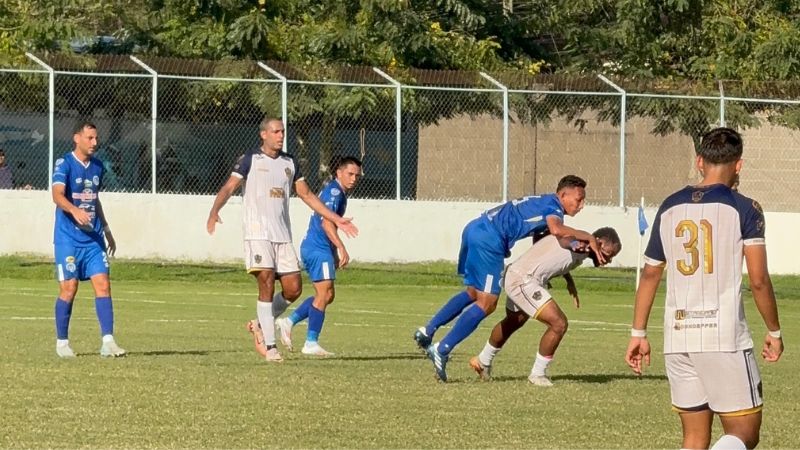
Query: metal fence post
(622, 118)
(284, 95)
(721, 104)
(398, 99)
(505, 132)
(51, 111)
(153, 119)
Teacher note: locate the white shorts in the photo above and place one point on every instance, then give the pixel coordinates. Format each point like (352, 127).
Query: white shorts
(727, 383)
(278, 256)
(528, 297)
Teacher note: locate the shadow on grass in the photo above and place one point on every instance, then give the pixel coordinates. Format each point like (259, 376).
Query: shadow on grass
(590, 378)
(396, 356)
(180, 352)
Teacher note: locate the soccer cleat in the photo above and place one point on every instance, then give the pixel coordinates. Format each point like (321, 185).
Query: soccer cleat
(439, 361)
(315, 349)
(422, 339)
(484, 372)
(258, 338)
(273, 355)
(64, 351)
(112, 350)
(284, 327)
(540, 380)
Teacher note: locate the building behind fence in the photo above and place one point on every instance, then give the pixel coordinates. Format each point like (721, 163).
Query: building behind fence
(177, 126)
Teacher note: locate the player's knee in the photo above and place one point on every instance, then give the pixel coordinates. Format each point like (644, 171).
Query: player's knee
(560, 326)
(292, 294)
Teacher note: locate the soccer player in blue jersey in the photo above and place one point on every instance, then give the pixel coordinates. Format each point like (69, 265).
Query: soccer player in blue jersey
(80, 236)
(270, 176)
(485, 243)
(700, 237)
(322, 252)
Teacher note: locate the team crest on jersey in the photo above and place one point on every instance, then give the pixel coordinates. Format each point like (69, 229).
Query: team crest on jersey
(697, 196)
(59, 161)
(335, 191)
(680, 314)
(288, 172)
(258, 259)
(96, 180)
(757, 206)
(537, 295)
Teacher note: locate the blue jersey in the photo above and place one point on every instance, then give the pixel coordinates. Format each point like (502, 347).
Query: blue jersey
(82, 183)
(523, 217)
(333, 196)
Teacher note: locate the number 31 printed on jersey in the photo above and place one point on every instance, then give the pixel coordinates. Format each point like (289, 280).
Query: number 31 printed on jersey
(691, 231)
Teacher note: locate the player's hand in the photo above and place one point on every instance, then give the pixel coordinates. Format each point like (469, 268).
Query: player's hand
(344, 258)
(346, 224)
(596, 249)
(573, 291)
(773, 348)
(111, 248)
(211, 223)
(81, 216)
(638, 351)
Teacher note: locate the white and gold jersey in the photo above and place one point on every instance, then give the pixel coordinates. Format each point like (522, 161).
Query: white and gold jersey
(699, 234)
(544, 260)
(268, 183)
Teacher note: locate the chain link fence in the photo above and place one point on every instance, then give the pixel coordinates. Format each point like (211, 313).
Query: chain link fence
(177, 126)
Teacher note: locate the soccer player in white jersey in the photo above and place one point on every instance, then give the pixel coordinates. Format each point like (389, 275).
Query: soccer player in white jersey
(526, 281)
(700, 235)
(270, 175)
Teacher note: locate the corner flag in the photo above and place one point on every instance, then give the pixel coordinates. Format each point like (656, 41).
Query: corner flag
(642, 221)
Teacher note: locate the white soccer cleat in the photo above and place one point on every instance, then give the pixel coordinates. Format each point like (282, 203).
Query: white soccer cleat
(540, 380)
(284, 327)
(273, 355)
(315, 349)
(64, 351)
(484, 372)
(111, 349)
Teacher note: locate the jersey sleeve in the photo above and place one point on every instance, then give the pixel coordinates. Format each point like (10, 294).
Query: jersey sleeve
(242, 166)
(61, 172)
(331, 196)
(297, 175)
(753, 224)
(654, 254)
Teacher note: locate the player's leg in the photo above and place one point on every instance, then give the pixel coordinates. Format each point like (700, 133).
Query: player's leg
(66, 273)
(95, 266)
(260, 259)
(555, 320)
(324, 295)
(288, 268)
(689, 399)
(291, 285)
(736, 397)
(513, 321)
(453, 307)
(696, 427)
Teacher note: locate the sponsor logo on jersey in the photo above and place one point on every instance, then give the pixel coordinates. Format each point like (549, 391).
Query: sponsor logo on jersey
(59, 161)
(86, 196)
(680, 314)
(78, 180)
(335, 191)
(87, 184)
(757, 206)
(697, 196)
(276, 192)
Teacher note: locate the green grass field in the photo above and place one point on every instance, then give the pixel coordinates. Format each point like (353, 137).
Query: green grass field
(193, 380)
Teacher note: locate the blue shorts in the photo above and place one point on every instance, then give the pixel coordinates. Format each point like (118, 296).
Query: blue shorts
(480, 261)
(80, 262)
(320, 264)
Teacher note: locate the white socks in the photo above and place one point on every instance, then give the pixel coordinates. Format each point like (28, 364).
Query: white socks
(279, 305)
(108, 338)
(487, 355)
(540, 365)
(267, 321)
(729, 442)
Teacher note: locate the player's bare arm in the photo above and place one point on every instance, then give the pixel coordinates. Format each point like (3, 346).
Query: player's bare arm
(111, 248)
(559, 229)
(332, 233)
(638, 346)
(220, 200)
(573, 290)
(764, 296)
(313, 202)
(60, 199)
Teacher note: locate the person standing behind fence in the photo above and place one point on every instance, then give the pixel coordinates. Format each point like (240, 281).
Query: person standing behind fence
(6, 175)
(269, 252)
(80, 235)
(700, 235)
(485, 242)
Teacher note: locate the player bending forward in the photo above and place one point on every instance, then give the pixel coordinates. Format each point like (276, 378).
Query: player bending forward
(525, 284)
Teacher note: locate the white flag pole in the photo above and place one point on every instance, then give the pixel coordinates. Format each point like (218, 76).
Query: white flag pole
(641, 238)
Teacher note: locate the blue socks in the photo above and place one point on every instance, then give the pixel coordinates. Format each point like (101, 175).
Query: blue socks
(63, 313)
(105, 314)
(301, 313)
(449, 311)
(315, 321)
(465, 325)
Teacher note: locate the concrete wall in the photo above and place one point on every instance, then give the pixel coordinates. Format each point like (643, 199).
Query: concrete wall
(173, 227)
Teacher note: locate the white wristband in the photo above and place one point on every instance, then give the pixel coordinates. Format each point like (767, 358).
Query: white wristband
(776, 334)
(638, 333)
